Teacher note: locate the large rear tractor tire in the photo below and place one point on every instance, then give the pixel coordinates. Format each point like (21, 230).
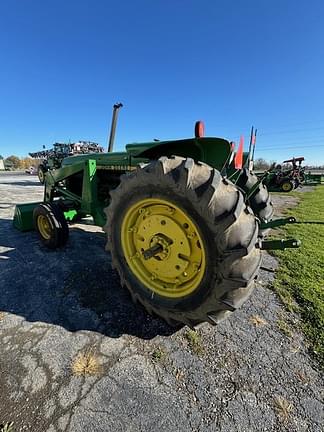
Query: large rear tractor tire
(51, 226)
(260, 201)
(183, 241)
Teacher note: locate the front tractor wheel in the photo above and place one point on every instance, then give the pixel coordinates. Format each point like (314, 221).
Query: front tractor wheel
(183, 241)
(41, 173)
(287, 185)
(51, 226)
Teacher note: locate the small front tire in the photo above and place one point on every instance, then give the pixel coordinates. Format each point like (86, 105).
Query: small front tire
(287, 186)
(41, 171)
(51, 225)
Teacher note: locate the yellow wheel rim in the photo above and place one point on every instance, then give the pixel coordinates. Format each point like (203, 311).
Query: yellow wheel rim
(41, 175)
(286, 186)
(44, 227)
(163, 248)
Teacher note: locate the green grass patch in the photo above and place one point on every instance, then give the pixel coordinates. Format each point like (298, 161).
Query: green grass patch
(283, 327)
(300, 277)
(194, 341)
(158, 355)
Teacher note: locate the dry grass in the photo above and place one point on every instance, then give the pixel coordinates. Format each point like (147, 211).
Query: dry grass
(86, 364)
(257, 321)
(302, 377)
(7, 427)
(179, 374)
(2, 315)
(295, 348)
(283, 408)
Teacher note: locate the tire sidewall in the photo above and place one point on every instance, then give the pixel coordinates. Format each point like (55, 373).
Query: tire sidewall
(59, 228)
(260, 201)
(290, 184)
(41, 172)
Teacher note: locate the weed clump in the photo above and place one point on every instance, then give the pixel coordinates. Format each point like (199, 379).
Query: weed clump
(257, 321)
(158, 355)
(86, 364)
(283, 408)
(194, 341)
(7, 427)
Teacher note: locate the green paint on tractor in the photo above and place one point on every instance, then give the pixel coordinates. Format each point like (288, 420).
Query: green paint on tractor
(87, 176)
(286, 177)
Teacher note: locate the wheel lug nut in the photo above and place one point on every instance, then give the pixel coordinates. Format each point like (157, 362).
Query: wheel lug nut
(191, 235)
(196, 267)
(133, 229)
(137, 255)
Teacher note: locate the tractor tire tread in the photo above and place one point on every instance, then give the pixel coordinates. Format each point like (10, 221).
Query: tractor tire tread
(58, 222)
(260, 201)
(233, 227)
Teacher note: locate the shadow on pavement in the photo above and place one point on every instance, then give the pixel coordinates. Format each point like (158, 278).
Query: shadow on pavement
(5, 205)
(23, 183)
(74, 287)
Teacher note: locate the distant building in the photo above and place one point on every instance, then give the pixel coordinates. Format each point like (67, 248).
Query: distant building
(2, 167)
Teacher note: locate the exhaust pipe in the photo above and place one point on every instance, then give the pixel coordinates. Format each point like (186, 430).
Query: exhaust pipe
(252, 148)
(116, 107)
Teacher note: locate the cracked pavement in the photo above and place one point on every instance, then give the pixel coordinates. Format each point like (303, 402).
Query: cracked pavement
(250, 373)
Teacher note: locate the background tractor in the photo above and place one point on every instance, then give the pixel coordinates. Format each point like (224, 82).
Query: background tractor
(285, 178)
(52, 159)
(184, 220)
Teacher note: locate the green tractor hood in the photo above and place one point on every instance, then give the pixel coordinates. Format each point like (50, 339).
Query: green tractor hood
(216, 152)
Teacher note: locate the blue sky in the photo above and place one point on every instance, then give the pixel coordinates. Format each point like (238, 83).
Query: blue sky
(231, 63)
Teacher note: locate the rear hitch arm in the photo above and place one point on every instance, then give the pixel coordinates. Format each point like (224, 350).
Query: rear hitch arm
(279, 244)
(284, 221)
(282, 244)
(277, 222)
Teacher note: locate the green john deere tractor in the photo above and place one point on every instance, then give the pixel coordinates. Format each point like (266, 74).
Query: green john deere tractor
(184, 219)
(286, 178)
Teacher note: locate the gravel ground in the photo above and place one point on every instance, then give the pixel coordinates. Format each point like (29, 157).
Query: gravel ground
(250, 373)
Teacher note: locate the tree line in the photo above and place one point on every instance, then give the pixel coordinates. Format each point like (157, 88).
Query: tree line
(17, 163)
